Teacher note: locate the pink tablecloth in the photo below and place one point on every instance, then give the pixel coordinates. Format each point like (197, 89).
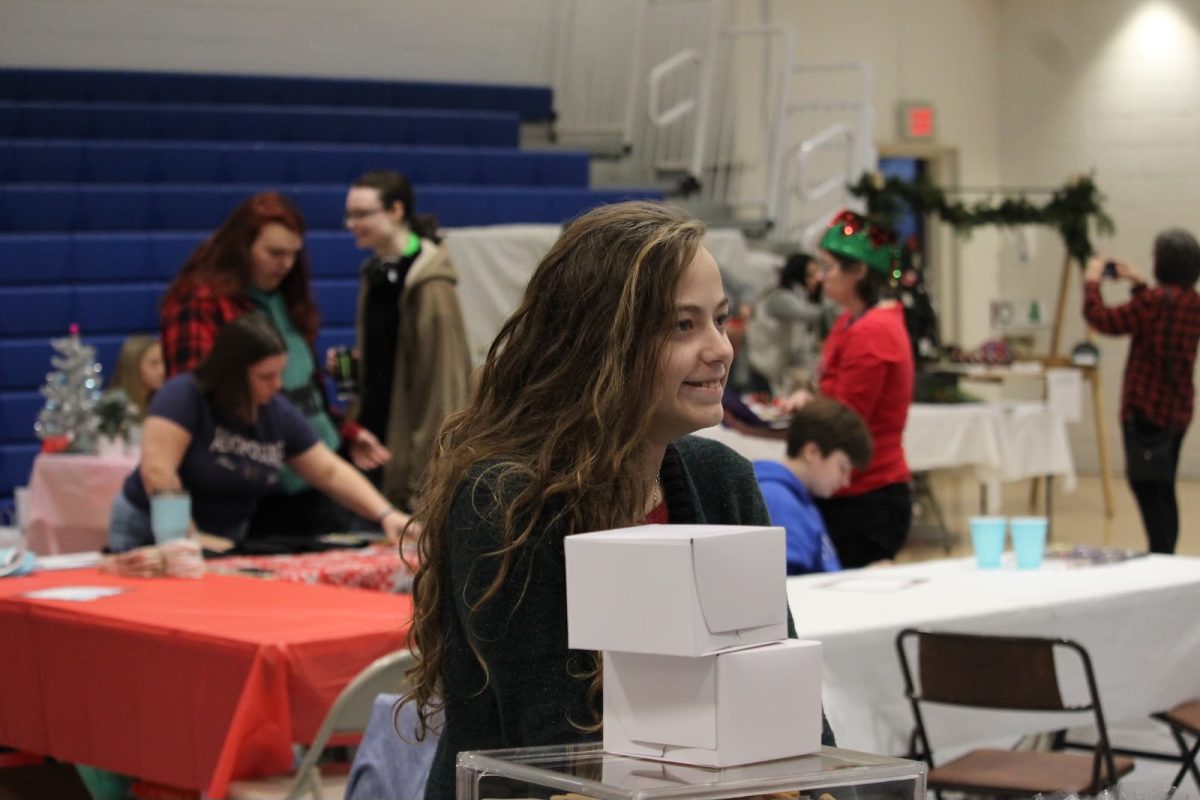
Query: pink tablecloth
(378, 567)
(69, 500)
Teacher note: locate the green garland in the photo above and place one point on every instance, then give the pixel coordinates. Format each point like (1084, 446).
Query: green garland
(1069, 209)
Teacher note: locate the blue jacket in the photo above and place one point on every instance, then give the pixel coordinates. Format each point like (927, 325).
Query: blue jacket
(791, 507)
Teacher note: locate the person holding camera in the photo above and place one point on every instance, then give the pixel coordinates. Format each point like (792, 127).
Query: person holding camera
(1157, 394)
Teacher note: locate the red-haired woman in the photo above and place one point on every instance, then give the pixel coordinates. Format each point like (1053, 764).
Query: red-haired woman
(256, 262)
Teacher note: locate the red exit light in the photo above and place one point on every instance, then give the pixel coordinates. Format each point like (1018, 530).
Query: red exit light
(917, 120)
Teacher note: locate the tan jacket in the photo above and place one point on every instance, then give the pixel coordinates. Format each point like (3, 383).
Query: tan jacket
(433, 368)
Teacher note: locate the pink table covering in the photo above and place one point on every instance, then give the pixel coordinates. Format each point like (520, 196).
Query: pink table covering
(70, 497)
(378, 567)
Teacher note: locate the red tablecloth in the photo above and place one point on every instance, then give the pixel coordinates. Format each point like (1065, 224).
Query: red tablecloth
(377, 567)
(191, 683)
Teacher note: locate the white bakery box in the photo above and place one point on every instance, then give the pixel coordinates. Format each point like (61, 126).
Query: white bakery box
(739, 707)
(682, 590)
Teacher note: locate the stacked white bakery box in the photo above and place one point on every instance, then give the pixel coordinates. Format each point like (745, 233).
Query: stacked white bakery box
(691, 620)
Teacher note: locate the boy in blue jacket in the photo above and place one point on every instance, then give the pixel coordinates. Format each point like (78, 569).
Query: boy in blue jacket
(825, 440)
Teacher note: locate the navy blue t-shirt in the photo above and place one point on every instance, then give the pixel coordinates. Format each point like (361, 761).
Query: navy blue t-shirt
(228, 463)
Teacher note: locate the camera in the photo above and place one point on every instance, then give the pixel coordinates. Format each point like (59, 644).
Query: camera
(1110, 269)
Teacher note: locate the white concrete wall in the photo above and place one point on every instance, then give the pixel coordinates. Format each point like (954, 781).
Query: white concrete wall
(1110, 86)
(463, 40)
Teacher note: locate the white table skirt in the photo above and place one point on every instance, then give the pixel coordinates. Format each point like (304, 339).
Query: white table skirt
(997, 441)
(1136, 619)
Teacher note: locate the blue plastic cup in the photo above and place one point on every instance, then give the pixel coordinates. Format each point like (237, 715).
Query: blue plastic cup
(170, 515)
(987, 537)
(1029, 540)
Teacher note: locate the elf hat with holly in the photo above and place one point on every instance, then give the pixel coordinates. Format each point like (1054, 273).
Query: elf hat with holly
(852, 237)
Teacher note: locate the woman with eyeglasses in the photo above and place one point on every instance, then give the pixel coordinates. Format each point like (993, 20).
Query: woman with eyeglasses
(867, 363)
(256, 261)
(414, 363)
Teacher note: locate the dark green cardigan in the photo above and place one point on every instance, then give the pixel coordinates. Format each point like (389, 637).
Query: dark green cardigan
(529, 696)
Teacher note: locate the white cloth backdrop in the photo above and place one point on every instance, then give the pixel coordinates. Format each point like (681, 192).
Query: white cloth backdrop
(495, 262)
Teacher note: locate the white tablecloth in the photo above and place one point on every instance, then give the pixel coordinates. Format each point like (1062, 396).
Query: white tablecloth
(1137, 619)
(998, 441)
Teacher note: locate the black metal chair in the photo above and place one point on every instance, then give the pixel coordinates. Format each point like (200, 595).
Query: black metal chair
(1184, 719)
(1009, 673)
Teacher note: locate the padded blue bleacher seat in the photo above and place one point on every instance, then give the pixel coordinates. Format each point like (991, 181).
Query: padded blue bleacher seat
(337, 300)
(332, 254)
(16, 462)
(26, 311)
(35, 258)
(38, 208)
(50, 310)
(117, 208)
(18, 410)
(117, 308)
(96, 207)
(24, 362)
(80, 161)
(178, 122)
(125, 256)
(531, 103)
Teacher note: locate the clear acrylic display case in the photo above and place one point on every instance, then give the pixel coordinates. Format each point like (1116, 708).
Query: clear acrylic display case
(579, 772)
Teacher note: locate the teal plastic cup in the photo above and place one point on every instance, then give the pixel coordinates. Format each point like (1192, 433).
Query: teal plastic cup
(1029, 540)
(170, 515)
(987, 537)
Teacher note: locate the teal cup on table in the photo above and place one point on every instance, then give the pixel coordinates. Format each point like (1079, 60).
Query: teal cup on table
(170, 515)
(1029, 540)
(987, 538)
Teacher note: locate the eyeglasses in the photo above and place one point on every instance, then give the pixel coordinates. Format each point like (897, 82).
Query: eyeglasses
(355, 216)
(825, 266)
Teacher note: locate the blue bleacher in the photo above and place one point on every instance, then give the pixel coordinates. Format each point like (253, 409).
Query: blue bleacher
(152, 207)
(181, 122)
(89, 161)
(531, 103)
(108, 180)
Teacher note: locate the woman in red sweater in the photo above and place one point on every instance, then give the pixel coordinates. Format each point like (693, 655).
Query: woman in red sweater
(867, 364)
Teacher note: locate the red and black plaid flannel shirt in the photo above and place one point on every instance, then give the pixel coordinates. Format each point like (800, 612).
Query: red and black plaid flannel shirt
(1166, 400)
(190, 321)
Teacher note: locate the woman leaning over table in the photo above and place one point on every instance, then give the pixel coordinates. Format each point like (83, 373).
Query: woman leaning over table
(867, 363)
(223, 433)
(579, 423)
(1157, 395)
(256, 261)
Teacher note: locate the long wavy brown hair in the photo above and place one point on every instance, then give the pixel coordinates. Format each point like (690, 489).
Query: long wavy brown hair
(561, 408)
(222, 261)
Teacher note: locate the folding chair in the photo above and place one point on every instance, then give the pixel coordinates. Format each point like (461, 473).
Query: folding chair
(1007, 673)
(1184, 718)
(350, 713)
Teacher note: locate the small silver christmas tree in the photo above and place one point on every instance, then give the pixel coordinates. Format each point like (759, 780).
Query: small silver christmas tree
(71, 392)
